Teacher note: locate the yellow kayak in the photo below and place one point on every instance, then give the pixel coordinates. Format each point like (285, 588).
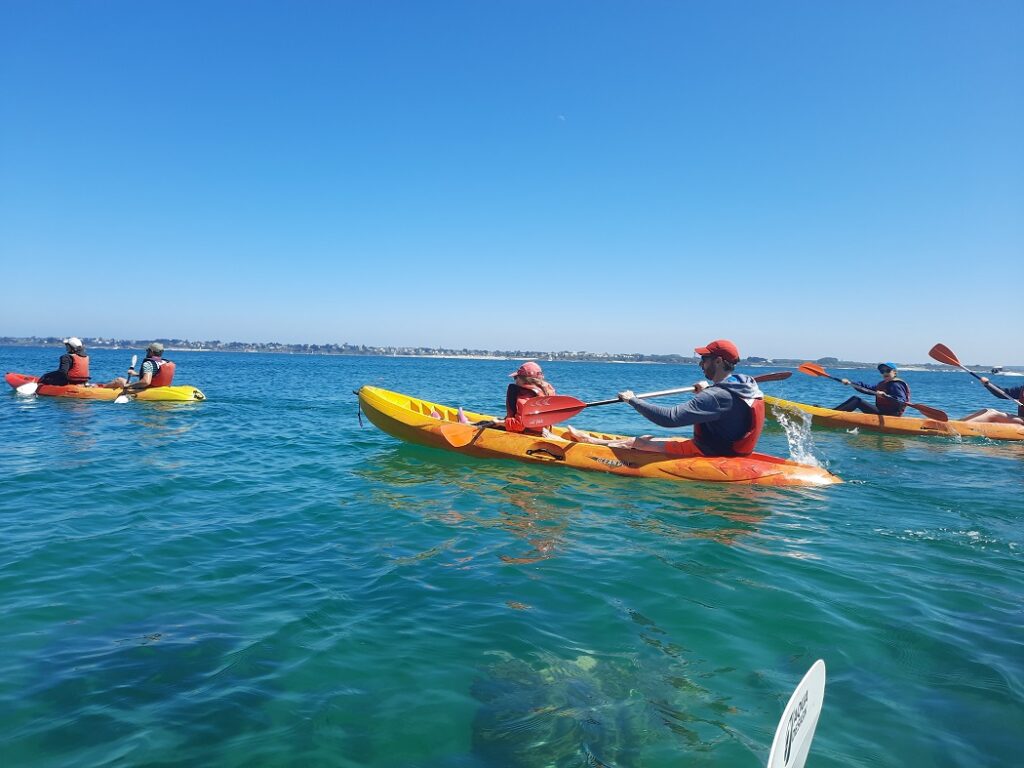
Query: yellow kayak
(896, 425)
(410, 419)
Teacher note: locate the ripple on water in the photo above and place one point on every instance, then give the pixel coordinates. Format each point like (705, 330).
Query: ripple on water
(258, 580)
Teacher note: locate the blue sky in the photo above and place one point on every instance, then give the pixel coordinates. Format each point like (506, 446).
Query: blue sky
(807, 178)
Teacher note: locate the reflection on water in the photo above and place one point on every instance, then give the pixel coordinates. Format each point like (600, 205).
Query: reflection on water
(530, 509)
(538, 506)
(538, 521)
(875, 441)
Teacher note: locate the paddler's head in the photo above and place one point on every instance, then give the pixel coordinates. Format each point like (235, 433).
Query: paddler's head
(156, 349)
(718, 359)
(74, 344)
(528, 371)
(888, 370)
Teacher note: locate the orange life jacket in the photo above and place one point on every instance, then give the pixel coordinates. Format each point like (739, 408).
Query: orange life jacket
(746, 444)
(164, 374)
(78, 373)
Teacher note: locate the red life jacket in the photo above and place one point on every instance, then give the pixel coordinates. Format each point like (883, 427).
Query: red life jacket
(164, 374)
(744, 446)
(515, 397)
(78, 373)
(886, 405)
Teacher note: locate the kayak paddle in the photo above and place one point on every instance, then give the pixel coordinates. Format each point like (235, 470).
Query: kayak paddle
(123, 398)
(460, 435)
(28, 388)
(944, 354)
(545, 411)
(793, 735)
(813, 369)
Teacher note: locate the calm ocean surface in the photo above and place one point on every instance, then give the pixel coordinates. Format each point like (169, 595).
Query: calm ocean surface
(259, 580)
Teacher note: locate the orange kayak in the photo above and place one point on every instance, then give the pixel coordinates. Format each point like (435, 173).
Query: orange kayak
(895, 425)
(409, 419)
(177, 394)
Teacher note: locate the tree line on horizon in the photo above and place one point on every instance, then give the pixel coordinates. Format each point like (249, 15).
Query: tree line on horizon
(216, 345)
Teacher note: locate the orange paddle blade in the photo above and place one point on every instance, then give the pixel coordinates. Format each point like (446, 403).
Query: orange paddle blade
(459, 435)
(812, 369)
(944, 354)
(932, 413)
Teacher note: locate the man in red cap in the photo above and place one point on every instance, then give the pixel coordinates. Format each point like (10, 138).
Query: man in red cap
(528, 382)
(727, 416)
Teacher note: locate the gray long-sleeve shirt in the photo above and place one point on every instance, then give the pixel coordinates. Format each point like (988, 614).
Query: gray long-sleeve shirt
(723, 410)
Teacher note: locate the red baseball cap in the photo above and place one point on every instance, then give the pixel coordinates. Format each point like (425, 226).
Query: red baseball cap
(722, 347)
(528, 369)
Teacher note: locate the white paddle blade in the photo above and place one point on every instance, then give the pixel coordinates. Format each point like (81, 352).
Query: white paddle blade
(28, 388)
(793, 737)
(123, 398)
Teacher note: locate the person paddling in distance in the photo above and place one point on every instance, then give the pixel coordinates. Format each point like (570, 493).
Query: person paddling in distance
(73, 367)
(154, 371)
(727, 416)
(897, 389)
(527, 382)
(991, 415)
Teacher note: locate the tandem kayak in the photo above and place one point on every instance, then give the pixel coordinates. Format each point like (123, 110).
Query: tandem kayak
(896, 425)
(409, 419)
(178, 394)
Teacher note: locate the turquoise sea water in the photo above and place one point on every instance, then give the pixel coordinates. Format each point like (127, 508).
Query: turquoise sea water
(259, 580)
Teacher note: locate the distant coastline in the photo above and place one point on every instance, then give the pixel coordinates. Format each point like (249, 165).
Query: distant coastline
(362, 350)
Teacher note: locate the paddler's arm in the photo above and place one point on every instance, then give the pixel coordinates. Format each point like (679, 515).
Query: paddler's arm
(145, 378)
(989, 386)
(702, 407)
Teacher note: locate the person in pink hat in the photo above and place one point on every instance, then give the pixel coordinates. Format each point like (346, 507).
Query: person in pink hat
(527, 381)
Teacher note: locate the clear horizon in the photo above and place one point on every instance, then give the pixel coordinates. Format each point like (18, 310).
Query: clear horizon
(839, 179)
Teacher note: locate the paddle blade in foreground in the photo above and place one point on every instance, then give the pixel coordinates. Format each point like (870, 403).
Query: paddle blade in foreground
(799, 719)
(944, 354)
(123, 397)
(812, 369)
(28, 388)
(544, 411)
